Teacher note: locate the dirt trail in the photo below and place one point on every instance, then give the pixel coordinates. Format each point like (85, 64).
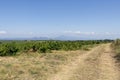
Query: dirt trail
(97, 64)
(108, 67)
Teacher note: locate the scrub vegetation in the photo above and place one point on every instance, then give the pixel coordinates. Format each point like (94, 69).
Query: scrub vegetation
(8, 48)
(116, 48)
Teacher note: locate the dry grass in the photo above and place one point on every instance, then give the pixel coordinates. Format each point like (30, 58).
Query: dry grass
(96, 64)
(81, 68)
(34, 66)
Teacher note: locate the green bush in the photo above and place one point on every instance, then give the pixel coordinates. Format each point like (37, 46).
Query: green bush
(8, 50)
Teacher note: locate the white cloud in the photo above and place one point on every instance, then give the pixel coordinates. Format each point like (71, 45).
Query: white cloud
(68, 31)
(77, 32)
(111, 33)
(80, 33)
(31, 33)
(92, 33)
(3, 32)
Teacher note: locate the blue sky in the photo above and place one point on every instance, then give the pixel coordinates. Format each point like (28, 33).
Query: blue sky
(81, 18)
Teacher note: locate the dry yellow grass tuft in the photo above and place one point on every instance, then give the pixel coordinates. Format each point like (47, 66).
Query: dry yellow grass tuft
(34, 66)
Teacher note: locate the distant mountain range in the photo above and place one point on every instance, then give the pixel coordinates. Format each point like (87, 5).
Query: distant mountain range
(63, 37)
(70, 38)
(34, 38)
